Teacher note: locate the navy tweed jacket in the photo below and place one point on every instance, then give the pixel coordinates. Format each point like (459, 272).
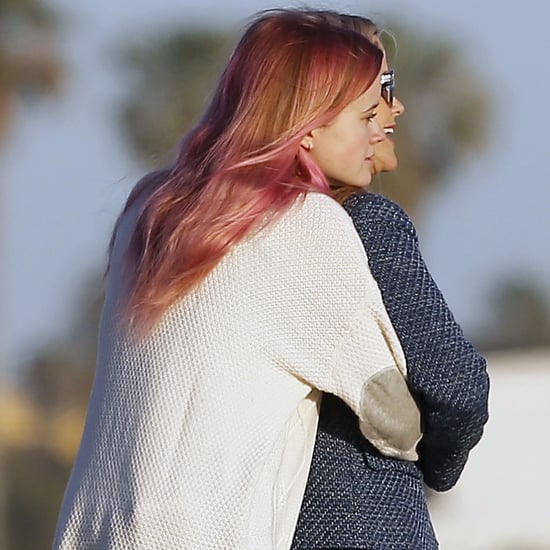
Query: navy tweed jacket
(355, 497)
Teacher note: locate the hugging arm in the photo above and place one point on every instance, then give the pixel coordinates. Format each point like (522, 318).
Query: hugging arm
(446, 375)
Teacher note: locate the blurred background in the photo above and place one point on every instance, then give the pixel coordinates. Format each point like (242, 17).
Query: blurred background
(92, 95)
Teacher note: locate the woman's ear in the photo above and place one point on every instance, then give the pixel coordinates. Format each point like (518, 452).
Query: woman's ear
(307, 142)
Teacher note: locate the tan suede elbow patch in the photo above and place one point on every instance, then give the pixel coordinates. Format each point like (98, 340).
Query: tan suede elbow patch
(390, 418)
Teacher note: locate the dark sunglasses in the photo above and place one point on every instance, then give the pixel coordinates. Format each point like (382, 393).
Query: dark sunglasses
(387, 79)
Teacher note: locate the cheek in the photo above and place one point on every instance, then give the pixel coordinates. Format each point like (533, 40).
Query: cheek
(386, 160)
(384, 114)
(357, 144)
(344, 153)
(343, 150)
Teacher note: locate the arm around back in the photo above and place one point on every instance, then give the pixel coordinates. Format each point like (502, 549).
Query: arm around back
(445, 373)
(362, 362)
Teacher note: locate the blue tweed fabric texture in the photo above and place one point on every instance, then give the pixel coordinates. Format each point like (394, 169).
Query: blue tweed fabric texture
(355, 497)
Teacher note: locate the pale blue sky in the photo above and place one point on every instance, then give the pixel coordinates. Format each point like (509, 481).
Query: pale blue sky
(66, 168)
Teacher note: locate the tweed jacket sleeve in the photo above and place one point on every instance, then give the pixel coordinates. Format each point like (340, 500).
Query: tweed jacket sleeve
(445, 373)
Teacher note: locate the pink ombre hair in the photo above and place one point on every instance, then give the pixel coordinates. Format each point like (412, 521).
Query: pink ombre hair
(291, 72)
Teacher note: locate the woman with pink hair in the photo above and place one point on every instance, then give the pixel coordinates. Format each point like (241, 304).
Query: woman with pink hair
(238, 290)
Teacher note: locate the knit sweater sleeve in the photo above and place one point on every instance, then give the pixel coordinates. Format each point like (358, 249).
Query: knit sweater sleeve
(325, 290)
(445, 373)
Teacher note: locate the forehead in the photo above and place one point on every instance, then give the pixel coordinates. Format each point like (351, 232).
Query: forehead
(369, 98)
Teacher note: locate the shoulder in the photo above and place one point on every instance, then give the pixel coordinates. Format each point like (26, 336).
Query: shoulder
(374, 203)
(322, 212)
(317, 219)
(371, 213)
(314, 235)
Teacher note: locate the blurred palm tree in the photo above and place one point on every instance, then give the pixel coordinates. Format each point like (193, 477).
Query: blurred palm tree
(446, 118)
(520, 314)
(29, 64)
(172, 78)
(43, 424)
(29, 67)
(447, 113)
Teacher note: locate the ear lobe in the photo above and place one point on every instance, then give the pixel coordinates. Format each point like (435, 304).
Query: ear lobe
(307, 143)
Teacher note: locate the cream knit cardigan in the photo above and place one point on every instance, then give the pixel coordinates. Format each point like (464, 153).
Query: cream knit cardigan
(201, 435)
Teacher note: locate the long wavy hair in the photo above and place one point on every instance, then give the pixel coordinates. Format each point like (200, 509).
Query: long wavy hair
(291, 72)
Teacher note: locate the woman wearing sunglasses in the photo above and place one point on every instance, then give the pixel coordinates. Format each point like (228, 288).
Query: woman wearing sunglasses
(355, 497)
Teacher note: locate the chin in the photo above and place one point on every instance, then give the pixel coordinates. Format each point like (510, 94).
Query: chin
(385, 158)
(364, 184)
(360, 182)
(388, 164)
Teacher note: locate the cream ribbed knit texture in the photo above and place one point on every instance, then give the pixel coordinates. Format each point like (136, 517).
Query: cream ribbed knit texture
(200, 436)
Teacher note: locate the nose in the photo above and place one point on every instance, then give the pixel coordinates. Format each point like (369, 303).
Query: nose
(377, 133)
(397, 108)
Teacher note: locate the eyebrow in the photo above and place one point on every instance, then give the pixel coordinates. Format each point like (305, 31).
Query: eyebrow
(371, 107)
